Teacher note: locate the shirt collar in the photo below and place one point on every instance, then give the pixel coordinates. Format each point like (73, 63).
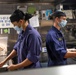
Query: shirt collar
(54, 28)
(29, 27)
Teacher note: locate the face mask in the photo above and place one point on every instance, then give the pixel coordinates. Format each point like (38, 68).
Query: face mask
(18, 29)
(63, 23)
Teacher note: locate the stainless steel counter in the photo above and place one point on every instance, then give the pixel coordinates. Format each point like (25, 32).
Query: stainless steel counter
(59, 70)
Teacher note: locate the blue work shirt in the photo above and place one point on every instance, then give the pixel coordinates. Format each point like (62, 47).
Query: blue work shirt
(28, 46)
(56, 47)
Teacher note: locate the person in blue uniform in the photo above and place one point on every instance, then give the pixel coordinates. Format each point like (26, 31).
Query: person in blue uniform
(28, 45)
(55, 42)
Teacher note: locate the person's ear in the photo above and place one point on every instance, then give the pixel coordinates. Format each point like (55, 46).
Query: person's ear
(21, 21)
(56, 19)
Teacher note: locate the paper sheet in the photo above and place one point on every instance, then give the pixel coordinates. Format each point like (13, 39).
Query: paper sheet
(34, 21)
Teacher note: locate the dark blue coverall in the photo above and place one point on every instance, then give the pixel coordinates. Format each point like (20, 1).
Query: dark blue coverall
(28, 46)
(56, 47)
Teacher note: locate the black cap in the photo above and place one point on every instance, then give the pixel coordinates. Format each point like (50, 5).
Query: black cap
(18, 14)
(58, 14)
(28, 16)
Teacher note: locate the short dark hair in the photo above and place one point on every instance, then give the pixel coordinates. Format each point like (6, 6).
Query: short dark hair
(18, 14)
(58, 14)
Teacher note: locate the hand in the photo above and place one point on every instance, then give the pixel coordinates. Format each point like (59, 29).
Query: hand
(12, 67)
(2, 63)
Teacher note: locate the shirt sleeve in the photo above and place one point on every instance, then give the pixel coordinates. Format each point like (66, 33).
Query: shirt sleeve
(34, 47)
(57, 45)
(15, 46)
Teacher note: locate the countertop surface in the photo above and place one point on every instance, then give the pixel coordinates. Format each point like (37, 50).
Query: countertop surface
(59, 70)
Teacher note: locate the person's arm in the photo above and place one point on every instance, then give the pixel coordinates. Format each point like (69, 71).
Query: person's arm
(25, 63)
(70, 54)
(34, 47)
(11, 55)
(53, 42)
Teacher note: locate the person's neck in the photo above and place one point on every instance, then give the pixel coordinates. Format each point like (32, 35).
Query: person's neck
(56, 26)
(25, 26)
